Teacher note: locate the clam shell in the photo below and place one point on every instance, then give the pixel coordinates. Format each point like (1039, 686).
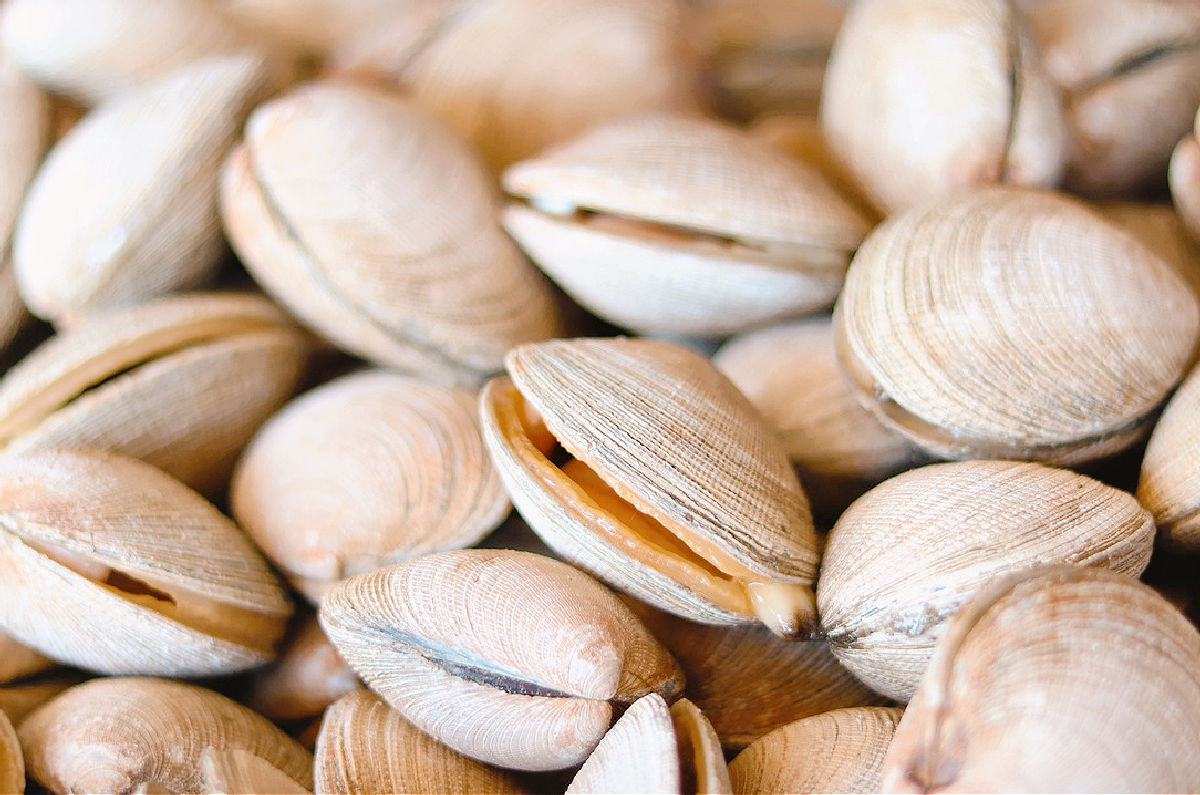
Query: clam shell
(238, 772)
(656, 748)
(367, 747)
(839, 751)
(308, 676)
(17, 661)
(983, 327)
(907, 554)
(1017, 699)
(376, 227)
(12, 762)
(1183, 175)
(114, 735)
(1161, 229)
(125, 207)
(367, 470)
(679, 492)
(18, 700)
(506, 657)
(1170, 485)
(316, 27)
(110, 565)
(919, 100)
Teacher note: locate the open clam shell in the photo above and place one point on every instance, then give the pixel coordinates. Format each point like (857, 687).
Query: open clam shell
(12, 761)
(1170, 485)
(640, 462)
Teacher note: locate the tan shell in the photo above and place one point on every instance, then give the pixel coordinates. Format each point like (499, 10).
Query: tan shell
(17, 661)
(367, 470)
(748, 681)
(108, 564)
(1130, 77)
(308, 676)
(1161, 229)
(907, 554)
(980, 327)
(507, 657)
(656, 748)
(113, 735)
(367, 747)
(791, 374)
(1183, 175)
(1017, 699)
(12, 763)
(237, 772)
(125, 207)
(18, 700)
(1170, 485)
(181, 383)
(311, 26)
(676, 490)
(839, 751)
(919, 100)
(376, 227)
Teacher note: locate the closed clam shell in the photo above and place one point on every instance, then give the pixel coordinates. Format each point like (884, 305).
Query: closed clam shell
(1057, 680)
(373, 224)
(17, 660)
(114, 735)
(507, 657)
(1170, 485)
(308, 676)
(364, 471)
(924, 98)
(656, 748)
(366, 747)
(181, 383)
(1183, 175)
(839, 751)
(980, 327)
(1162, 230)
(668, 224)
(1129, 71)
(668, 484)
(908, 553)
(125, 206)
(12, 762)
(238, 772)
(111, 565)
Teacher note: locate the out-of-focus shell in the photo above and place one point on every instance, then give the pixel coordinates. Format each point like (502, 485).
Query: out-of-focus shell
(17, 660)
(1013, 324)
(181, 383)
(114, 735)
(839, 751)
(314, 27)
(1161, 229)
(12, 762)
(673, 225)
(308, 676)
(926, 97)
(109, 564)
(125, 207)
(907, 554)
(1056, 680)
(1170, 483)
(373, 224)
(237, 772)
(19, 699)
(366, 747)
(1183, 175)
(678, 491)
(367, 470)
(507, 657)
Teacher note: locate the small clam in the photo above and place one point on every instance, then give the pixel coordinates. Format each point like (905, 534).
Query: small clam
(908, 553)
(237, 772)
(1056, 680)
(983, 326)
(839, 751)
(12, 762)
(673, 225)
(642, 463)
(366, 747)
(311, 27)
(373, 224)
(1170, 485)
(115, 735)
(308, 676)
(1183, 175)
(508, 657)
(109, 564)
(17, 660)
(926, 97)
(656, 748)
(364, 471)
(1161, 229)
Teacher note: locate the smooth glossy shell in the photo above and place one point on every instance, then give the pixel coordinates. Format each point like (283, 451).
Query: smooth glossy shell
(1170, 485)
(367, 470)
(114, 735)
(1018, 699)
(308, 676)
(110, 565)
(979, 327)
(12, 762)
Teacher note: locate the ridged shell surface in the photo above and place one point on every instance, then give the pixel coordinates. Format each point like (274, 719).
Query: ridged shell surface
(1183, 175)
(238, 772)
(1170, 484)
(1161, 229)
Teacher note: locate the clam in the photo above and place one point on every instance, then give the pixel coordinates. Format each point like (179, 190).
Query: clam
(308, 676)
(17, 660)
(181, 383)
(237, 772)
(1170, 485)
(656, 748)
(1183, 175)
(111, 565)
(1161, 229)
(839, 751)
(641, 462)
(673, 225)
(908, 553)
(367, 470)
(924, 98)
(1013, 324)
(507, 657)
(12, 762)
(376, 227)
(18, 699)
(312, 27)
(1056, 680)
(125, 207)
(115, 735)
(366, 747)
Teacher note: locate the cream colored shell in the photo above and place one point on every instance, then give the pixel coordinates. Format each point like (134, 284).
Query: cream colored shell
(314, 27)
(19, 699)
(238, 772)
(1183, 175)
(17, 660)
(1161, 229)
(308, 676)
(1170, 485)
(12, 762)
